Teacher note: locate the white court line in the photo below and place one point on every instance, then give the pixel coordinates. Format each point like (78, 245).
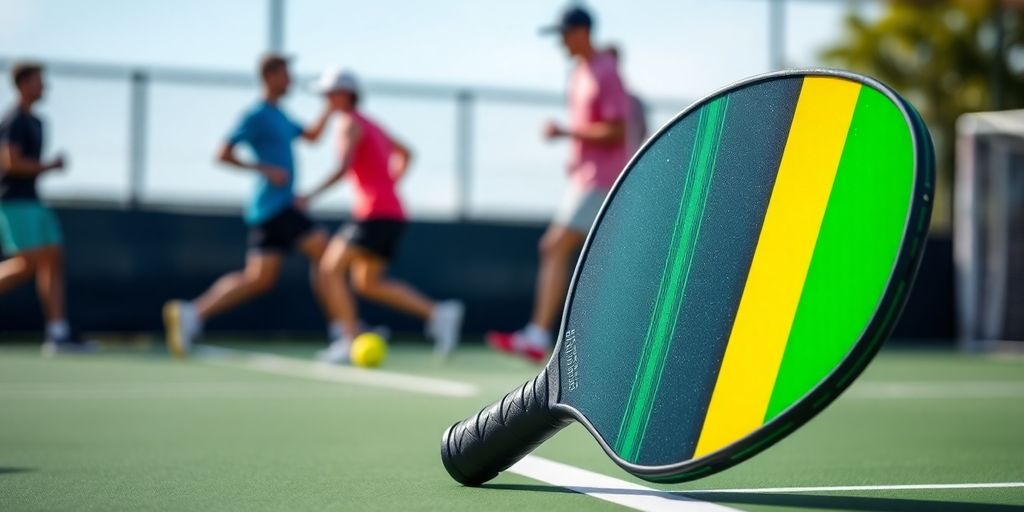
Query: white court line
(595, 485)
(603, 487)
(639, 497)
(846, 488)
(292, 367)
(537, 468)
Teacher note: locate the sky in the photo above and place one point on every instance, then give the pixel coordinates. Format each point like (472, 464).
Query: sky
(674, 50)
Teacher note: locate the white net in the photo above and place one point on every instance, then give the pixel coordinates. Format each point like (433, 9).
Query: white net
(989, 230)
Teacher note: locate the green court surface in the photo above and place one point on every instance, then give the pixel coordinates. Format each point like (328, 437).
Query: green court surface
(129, 429)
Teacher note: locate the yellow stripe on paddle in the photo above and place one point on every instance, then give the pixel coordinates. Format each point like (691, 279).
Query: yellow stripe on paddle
(783, 254)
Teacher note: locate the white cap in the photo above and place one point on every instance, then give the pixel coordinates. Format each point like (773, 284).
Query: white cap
(335, 79)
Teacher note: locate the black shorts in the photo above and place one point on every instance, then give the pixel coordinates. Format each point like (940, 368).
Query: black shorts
(378, 236)
(281, 232)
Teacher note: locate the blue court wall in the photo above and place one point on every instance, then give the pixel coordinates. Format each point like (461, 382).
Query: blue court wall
(123, 264)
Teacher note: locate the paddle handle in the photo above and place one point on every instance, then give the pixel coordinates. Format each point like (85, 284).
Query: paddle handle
(476, 449)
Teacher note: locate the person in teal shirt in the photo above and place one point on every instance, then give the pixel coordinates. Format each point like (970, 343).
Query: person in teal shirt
(269, 133)
(276, 225)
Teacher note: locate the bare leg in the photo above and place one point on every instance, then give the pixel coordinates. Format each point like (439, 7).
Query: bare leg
(314, 246)
(557, 247)
(334, 291)
(368, 280)
(17, 269)
(50, 282)
(258, 277)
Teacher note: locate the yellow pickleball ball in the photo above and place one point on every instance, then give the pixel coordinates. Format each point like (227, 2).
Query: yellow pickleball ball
(369, 350)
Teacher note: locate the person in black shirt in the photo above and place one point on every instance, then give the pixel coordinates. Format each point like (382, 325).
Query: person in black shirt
(29, 232)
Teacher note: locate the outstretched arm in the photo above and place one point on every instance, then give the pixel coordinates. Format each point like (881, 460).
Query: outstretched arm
(312, 132)
(349, 138)
(602, 132)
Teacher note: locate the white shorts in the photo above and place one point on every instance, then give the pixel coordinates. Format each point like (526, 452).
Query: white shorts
(579, 208)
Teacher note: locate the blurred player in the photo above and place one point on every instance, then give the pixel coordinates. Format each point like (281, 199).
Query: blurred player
(359, 254)
(636, 124)
(29, 231)
(276, 226)
(598, 110)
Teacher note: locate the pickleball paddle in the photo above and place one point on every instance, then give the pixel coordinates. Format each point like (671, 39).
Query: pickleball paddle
(744, 269)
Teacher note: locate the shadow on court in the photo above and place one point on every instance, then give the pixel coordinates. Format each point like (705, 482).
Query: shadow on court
(791, 501)
(11, 470)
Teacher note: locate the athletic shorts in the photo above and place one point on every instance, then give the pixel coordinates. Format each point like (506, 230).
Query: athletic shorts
(579, 208)
(377, 236)
(27, 224)
(282, 232)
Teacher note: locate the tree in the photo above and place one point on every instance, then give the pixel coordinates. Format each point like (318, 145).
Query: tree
(948, 58)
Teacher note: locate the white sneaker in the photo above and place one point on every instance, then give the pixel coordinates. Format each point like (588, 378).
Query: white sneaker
(338, 352)
(182, 324)
(70, 343)
(445, 325)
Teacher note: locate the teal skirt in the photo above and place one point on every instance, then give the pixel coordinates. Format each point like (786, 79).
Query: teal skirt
(27, 224)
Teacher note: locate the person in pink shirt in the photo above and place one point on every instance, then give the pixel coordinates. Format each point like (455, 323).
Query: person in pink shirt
(598, 110)
(636, 124)
(360, 252)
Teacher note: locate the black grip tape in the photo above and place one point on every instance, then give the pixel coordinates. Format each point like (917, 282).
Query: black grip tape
(476, 449)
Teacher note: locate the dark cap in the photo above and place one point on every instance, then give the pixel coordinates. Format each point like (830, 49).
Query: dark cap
(24, 69)
(573, 17)
(271, 62)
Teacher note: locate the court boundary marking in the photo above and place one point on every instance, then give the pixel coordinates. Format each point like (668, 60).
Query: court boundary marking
(596, 485)
(610, 489)
(848, 488)
(644, 498)
(306, 369)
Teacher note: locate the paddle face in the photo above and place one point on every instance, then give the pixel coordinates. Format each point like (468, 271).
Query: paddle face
(745, 268)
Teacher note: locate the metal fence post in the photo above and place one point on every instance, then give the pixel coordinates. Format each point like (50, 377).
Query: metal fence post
(137, 121)
(275, 26)
(463, 152)
(777, 34)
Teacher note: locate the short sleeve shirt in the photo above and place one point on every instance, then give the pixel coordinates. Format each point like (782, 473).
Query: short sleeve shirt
(21, 129)
(269, 133)
(596, 95)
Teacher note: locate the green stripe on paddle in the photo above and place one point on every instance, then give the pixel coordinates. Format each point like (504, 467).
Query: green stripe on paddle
(673, 281)
(855, 251)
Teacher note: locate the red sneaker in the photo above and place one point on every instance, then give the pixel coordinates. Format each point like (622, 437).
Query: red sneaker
(535, 355)
(509, 343)
(501, 341)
